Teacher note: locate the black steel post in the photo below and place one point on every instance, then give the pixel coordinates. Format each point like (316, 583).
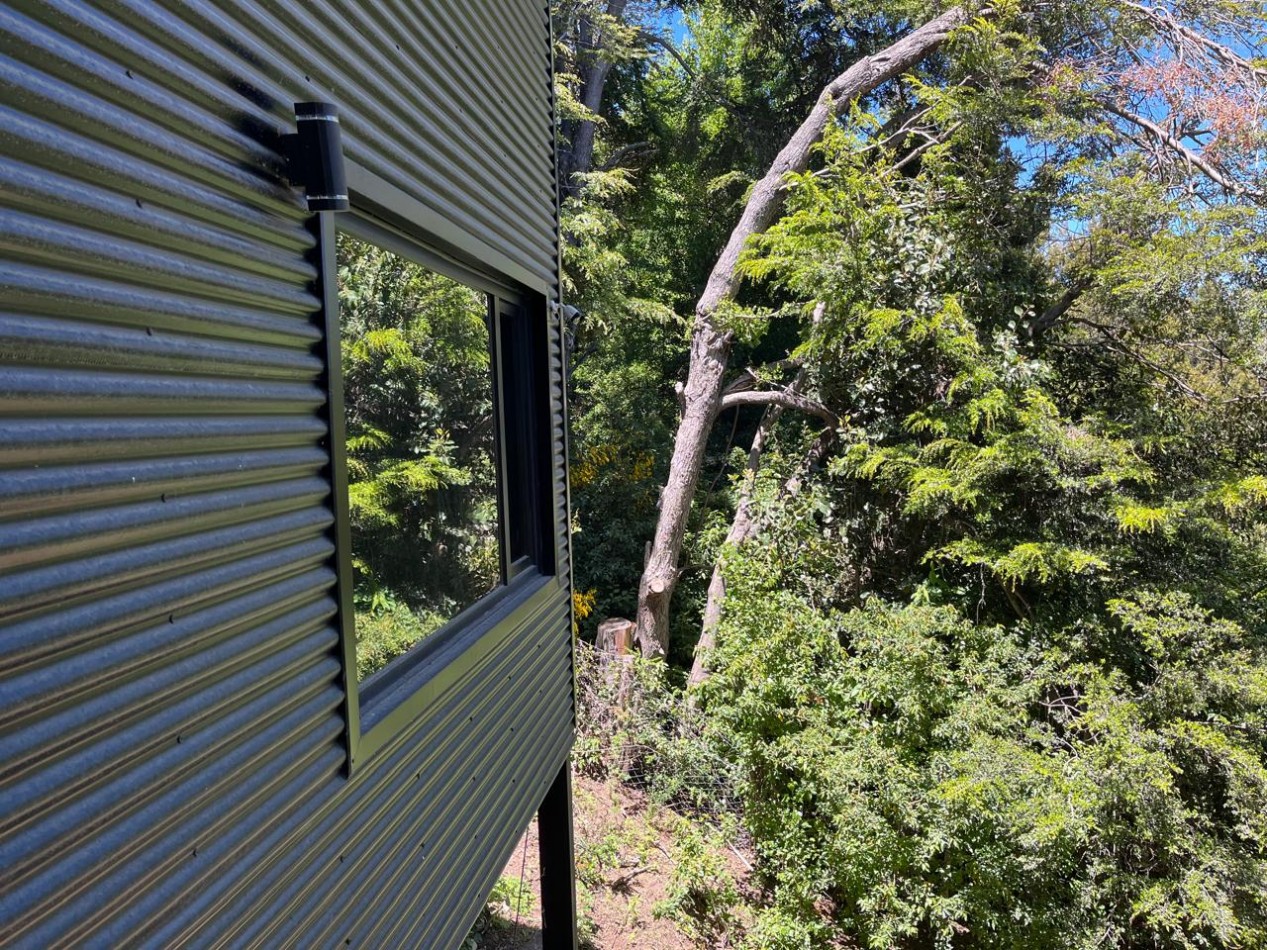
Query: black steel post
(558, 872)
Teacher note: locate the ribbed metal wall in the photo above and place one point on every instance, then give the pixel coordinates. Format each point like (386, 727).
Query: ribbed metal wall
(171, 726)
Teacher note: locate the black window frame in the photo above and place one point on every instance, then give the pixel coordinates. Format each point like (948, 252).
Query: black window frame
(380, 708)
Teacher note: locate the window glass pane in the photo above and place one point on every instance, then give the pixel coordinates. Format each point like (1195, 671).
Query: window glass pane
(422, 473)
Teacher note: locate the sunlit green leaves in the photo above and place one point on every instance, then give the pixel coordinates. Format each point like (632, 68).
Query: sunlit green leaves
(421, 488)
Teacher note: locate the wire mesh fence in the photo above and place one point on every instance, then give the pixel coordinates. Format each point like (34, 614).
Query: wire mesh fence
(635, 724)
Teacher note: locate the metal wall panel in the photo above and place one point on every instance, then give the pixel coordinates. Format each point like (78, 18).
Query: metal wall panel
(172, 752)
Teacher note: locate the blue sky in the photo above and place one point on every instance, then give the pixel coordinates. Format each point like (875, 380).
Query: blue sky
(674, 24)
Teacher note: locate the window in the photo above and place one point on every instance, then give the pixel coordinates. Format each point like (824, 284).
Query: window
(442, 464)
(420, 437)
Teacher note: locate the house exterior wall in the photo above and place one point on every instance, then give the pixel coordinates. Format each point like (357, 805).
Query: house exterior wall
(173, 755)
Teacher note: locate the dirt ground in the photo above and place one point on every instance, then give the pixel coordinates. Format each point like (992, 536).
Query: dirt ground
(624, 848)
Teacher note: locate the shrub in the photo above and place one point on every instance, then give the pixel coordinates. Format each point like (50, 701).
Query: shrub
(910, 779)
(702, 894)
(387, 628)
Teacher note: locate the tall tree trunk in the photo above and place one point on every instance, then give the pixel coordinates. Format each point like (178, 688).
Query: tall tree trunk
(580, 157)
(710, 344)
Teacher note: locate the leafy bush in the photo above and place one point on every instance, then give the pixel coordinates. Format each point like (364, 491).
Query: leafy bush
(385, 629)
(911, 779)
(510, 899)
(703, 896)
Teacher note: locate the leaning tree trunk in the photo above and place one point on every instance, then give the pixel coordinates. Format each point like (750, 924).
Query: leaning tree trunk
(711, 344)
(742, 528)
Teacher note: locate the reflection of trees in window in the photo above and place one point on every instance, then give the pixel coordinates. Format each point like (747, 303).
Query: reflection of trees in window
(422, 480)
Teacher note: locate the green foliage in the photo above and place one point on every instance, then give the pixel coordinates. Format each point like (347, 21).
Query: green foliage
(702, 894)
(936, 782)
(632, 725)
(987, 454)
(509, 900)
(1048, 729)
(511, 896)
(386, 629)
(993, 673)
(422, 486)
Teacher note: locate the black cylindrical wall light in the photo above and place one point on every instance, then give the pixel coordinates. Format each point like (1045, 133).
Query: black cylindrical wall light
(315, 152)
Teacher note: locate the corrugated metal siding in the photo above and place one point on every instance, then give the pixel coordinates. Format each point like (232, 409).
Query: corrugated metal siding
(558, 421)
(171, 732)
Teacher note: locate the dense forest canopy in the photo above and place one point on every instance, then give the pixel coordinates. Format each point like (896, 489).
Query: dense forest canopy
(918, 408)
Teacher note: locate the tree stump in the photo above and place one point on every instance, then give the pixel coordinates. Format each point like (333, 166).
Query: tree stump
(615, 636)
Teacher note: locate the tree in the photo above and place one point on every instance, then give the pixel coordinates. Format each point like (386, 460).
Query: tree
(710, 338)
(977, 675)
(1111, 84)
(592, 37)
(988, 578)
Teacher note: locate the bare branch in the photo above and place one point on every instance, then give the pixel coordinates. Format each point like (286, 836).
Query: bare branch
(897, 128)
(1185, 154)
(633, 151)
(1184, 35)
(744, 525)
(1048, 318)
(1117, 345)
(751, 376)
(666, 44)
(932, 140)
(780, 397)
